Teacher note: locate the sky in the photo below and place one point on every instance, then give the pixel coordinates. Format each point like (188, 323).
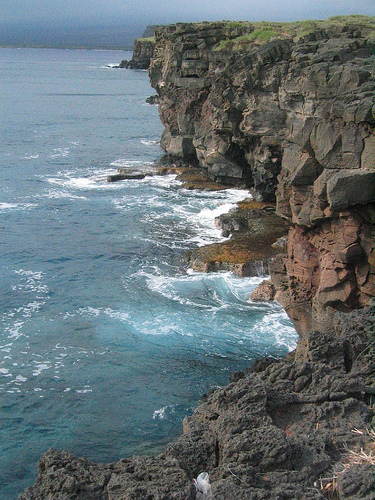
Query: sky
(143, 12)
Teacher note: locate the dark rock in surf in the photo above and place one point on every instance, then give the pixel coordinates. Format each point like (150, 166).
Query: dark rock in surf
(153, 99)
(121, 176)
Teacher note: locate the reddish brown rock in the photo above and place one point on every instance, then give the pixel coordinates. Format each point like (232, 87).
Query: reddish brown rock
(327, 269)
(264, 292)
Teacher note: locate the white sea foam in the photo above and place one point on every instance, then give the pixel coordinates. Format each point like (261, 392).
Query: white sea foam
(201, 217)
(14, 330)
(182, 289)
(162, 325)
(91, 180)
(163, 181)
(126, 163)
(34, 275)
(159, 414)
(31, 282)
(194, 284)
(127, 202)
(279, 326)
(59, 153)
(32, 367)
(54, 194)
(30, 157)
(148, 142)
(219, 293)
(16, 206)
(40, 367)
(164, 412)
(83, 183)
(107, 311)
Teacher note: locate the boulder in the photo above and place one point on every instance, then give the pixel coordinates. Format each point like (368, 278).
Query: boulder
(265, 292)
(349, 188)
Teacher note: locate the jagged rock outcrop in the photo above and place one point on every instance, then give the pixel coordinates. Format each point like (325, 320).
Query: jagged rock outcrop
(238, 109)
(143, 51)
(254, 228)
(149, 32)
(265, 292)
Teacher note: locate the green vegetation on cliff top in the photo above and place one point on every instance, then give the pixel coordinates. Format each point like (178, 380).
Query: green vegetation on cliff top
(150, 39)
(263, 32)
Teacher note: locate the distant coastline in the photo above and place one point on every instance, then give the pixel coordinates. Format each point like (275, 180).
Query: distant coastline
(119, 37)
(67, 47)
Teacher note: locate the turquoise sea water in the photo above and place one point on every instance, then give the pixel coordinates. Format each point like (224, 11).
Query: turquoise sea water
(107, 341)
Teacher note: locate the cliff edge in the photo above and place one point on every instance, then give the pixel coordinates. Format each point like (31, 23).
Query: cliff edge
(287, 110)
(143, 51)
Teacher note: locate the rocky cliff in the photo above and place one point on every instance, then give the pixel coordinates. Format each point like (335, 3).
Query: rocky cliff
(287, 110)
(143, 51)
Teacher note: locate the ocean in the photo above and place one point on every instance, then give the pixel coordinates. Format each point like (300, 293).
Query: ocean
(107, 340)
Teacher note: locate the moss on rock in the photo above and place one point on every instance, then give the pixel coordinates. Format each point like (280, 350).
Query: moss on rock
(254, 228)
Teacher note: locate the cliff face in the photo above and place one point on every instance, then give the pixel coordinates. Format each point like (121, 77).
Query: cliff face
(294, 118)
(143, 51)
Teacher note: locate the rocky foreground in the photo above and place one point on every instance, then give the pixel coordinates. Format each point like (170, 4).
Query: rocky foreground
(286, 110)
(290, 429)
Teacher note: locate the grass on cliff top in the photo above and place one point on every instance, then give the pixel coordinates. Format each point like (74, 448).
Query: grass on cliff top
(150, 39)
(360, 456)
(263, 32)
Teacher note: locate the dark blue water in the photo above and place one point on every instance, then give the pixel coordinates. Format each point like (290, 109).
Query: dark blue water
(106, 341)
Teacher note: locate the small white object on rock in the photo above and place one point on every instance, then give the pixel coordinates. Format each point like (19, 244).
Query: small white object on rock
(203, 487)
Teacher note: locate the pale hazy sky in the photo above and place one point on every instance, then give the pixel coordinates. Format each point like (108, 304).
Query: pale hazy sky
(168, 11)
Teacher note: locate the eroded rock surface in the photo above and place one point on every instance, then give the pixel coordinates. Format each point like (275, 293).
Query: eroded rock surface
(328, 268)
(294, 105)
(254, 228)
(264, 292)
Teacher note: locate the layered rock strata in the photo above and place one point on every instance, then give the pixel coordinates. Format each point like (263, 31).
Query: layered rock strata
(238, 108)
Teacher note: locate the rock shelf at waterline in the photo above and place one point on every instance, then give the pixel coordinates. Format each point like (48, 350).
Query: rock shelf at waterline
(252, 227)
